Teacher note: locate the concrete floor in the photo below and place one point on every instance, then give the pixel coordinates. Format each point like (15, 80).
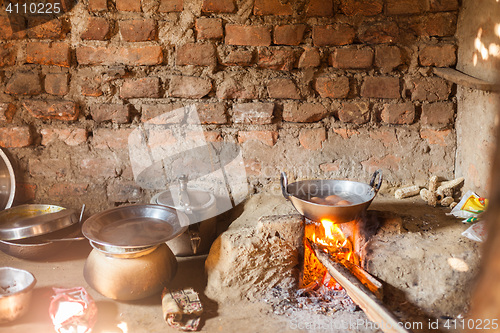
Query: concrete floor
(66, 270)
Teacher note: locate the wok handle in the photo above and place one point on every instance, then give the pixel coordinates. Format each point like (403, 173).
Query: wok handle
(284, 185)
(374, 178)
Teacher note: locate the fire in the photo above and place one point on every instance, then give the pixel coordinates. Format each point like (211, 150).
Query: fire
(332, 239)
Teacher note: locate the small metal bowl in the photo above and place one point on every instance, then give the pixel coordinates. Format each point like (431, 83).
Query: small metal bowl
(16, 287)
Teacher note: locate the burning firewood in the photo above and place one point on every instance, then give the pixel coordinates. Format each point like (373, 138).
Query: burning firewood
(361, 295)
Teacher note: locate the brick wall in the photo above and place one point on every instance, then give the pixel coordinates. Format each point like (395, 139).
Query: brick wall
(342, 88)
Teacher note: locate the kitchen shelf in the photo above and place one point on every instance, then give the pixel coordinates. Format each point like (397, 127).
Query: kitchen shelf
(465, 80)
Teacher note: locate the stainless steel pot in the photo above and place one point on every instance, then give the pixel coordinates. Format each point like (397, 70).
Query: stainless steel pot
(16, 287)
(359, 194)
(7, 182)
(201, 211)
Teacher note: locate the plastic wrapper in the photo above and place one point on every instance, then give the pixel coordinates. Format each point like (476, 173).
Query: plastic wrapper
(470, 206)
(476, 232)
(182, 309)
(72, 310)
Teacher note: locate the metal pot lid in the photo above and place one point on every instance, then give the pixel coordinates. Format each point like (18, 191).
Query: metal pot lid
(7, 182)
(199, 199)
(33, 220)
(135, 226)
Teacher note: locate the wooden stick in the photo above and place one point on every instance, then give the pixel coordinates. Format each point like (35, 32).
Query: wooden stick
(374, 308)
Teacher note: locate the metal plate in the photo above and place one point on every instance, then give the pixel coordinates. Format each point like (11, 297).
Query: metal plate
(34, 220)
(135, 226)
(7, 182)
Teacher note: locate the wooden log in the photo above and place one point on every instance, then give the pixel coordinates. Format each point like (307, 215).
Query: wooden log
(361, 295)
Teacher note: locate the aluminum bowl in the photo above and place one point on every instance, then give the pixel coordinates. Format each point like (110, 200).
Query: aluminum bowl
(16, 287)
(7, 182)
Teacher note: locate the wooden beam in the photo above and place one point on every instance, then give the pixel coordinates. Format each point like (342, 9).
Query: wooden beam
(465, 80)
(361, 295)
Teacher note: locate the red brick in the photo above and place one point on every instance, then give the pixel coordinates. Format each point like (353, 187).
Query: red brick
(387, 58)
(57, 53)
(189, 87)
(25, 193)
(268, 138)
(309, 58)
(100, 167)
(331, 35)
(98, 5)
(319, 8)
(253, 113)
(196, 54)
(15, 137)
(385, 135)
(209, 28)
(253, 167)
(312, 138)
(437, 114)
(211, 113)
(61, 110)
(218, 6)
(146, 87)
(56, 84)
(401, 7)
(354, 112)
(134, 56)
(208, 136)
(49, 168)
(111, 138)
(439, 24)
(24, 83)
(283, 88)
(271, 7)
(303, 112)
(438, 55)
(379, 33)
(437, 137)
(91, 86)
(160, 114)
(97, 29)
(329, 167)
(8, 54)
(238, 58)
(7, 111)
(276, 59)
(137, 30)
(345, 133)
(332, 87)
(159, 137)
(168, 6)
(248, 35)
(124, 192)
(388, 162)
(398, 114)
(232, 89)
(45, 28)
(290, 34)
(380, 87)
(352, 58)
(12, 27)
(70, 136)
(128, 5)
(443, 5)
(65, 190)
(429, 89)
(116, 113)
(361, 7)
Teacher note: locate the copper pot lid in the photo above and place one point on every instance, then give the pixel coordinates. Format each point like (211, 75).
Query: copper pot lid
(135, 226)
(34, 220)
